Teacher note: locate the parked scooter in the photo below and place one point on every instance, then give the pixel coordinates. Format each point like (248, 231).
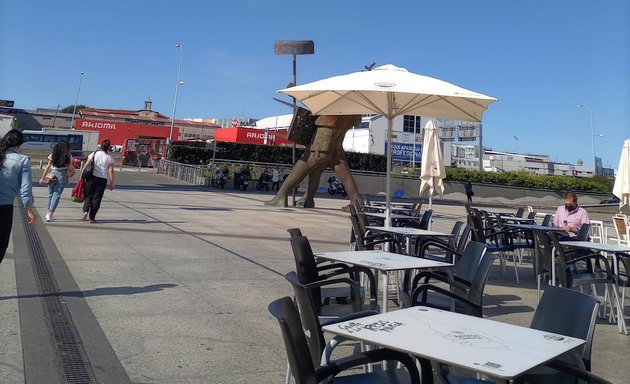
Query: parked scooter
(335, 186)
(264, 182)
(219, 180)
(241, 180)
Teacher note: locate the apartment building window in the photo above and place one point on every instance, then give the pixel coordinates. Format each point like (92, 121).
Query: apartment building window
(412, 124)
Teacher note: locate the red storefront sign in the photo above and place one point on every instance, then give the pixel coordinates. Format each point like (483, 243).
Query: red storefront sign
(118, 132)
(251, 136)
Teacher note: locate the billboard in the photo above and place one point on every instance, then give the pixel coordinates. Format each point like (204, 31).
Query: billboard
(403, 152)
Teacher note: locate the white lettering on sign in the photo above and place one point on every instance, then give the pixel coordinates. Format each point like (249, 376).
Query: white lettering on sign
(253, 135)
(98, 125)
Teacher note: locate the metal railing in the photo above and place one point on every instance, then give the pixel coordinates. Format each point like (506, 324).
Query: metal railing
(193, 174)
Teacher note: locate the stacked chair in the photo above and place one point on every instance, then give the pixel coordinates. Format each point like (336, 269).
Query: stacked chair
(332, 301)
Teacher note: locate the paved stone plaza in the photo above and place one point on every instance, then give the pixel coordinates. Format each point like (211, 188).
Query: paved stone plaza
(172, 286)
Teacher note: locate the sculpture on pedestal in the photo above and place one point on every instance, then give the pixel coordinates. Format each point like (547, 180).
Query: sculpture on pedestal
(325, 149)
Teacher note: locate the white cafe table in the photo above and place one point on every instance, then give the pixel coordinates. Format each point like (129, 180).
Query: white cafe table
(408, 233)
(382, 208)
(392, 204)
(515, 219)
(382, 261)
(393, 216)
(612, 250)
(485, 346)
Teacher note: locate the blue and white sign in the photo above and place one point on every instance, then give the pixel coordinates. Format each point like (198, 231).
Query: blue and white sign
(403, 152)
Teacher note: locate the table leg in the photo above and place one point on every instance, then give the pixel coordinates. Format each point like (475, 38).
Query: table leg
(385, 290)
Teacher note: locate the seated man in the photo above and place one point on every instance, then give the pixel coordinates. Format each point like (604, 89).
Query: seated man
(570, 217)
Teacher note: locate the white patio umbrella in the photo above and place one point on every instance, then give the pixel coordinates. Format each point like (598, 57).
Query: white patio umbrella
(390, 91)
(432, 171)
(622, 180)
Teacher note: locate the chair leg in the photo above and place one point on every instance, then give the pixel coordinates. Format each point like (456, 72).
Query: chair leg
(518, 281)
(288, 376)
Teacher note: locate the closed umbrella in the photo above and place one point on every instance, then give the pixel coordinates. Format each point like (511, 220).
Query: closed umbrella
(432, 171)
(390, 91)
(622, 180)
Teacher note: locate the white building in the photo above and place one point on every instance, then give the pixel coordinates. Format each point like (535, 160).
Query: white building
(460, 145)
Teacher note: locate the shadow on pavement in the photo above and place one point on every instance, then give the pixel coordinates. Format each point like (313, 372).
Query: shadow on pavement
(107, 291)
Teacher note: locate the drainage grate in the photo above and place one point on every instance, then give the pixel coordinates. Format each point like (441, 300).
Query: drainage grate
(73, 361)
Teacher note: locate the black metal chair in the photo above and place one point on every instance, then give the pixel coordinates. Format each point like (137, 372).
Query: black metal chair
(577, 270)
(364, 241)
(499, 241)
(304, 371)
(309, 272)
(466, 264)
(470, 303)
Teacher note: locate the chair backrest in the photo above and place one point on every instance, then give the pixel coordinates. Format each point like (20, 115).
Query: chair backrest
(621, 228)
(582, 234)
(426, 217)
(531, 215)
(293, 232)
(464, 238)
(457, 227)
(467, 265)
(569, 313)
(596, 232)
(547, 220)
(305, 265)
(310, 320)
(477, 228)
(520, 212)
(295, 343)
(359, 234)
(542, 252)
(562, 271)
(478, 283)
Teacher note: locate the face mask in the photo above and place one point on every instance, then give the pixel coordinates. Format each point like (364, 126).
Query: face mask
(569, 207)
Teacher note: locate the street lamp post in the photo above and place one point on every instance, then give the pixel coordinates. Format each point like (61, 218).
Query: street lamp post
(516, 138)
(76, 101)
(294, 48)
(592, 131)
(177, 85)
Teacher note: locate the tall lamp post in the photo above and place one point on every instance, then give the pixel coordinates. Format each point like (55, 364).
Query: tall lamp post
(592, 131)
(76, 101)
(516, 138)
(294, 48)
(177, 85)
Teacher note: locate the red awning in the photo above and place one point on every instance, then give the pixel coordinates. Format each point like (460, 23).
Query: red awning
(243, 135)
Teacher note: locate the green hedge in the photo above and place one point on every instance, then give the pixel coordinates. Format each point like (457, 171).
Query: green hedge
(197, 153)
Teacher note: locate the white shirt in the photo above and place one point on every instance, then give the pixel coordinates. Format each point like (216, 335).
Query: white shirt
(102, 161)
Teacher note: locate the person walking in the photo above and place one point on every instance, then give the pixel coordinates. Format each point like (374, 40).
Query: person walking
(275, 178)
(60, 165)
(15, 179)
(95, 185)
(469, 191)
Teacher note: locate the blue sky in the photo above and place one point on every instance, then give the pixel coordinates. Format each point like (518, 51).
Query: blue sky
(539, 58)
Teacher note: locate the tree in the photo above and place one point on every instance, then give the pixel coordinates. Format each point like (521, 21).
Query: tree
(70, 108)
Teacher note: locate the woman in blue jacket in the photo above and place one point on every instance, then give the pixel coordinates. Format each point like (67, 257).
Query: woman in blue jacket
(15, 179)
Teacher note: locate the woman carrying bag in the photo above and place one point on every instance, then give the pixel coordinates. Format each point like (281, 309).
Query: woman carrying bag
(102, 165)
(60, 165)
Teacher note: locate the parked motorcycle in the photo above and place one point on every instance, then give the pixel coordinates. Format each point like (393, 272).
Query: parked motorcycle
(335, 186)
(241, 181)
(219, 180)
(264, 182)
